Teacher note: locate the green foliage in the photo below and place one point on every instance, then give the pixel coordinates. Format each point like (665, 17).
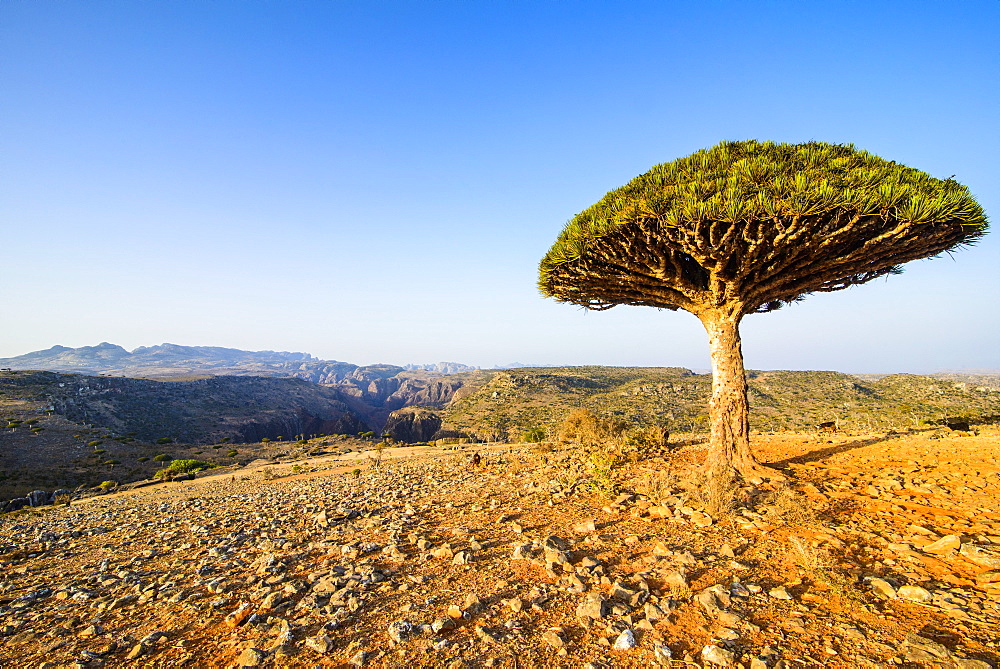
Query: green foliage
(144, 458)
(265, 440)
(741, 181)
(217, 446)
(725, 211)
(112, 462)
(108, 485)
(533, 434)
(191, 466)
(162, 457)
(95, 443)
(232, 453)
(164, 440)
(100, 451)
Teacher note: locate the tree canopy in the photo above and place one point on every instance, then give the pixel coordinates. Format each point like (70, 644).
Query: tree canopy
(754, 225)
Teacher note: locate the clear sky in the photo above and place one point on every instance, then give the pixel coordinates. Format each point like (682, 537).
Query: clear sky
(377, 181)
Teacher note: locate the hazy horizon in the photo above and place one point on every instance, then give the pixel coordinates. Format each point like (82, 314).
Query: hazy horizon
(376, 182)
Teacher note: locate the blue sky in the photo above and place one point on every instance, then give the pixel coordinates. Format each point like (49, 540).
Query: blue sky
(377, 181)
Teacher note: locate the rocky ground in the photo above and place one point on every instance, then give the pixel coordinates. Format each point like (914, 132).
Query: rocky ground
(878, 550)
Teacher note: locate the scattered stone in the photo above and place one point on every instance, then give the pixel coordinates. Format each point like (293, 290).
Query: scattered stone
(554, 637)
(400, 630)
(716, 655)
(944, 546)
(593, 607)
(251, 657)
(663, 655)
(780, 593)
(714, 599)
(914, 593)
(882, 587)
(625, 641)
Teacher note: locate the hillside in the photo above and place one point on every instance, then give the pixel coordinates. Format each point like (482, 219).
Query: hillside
(503, 404)
(52, 417)
(876, 551)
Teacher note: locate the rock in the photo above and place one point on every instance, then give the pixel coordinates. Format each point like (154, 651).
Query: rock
(714, 599)
(920, 649)
(462, 557)
(585, 527)
(136, 652)
(625, 641)
(780, 593)
(719, 656)
(981, 557)
(676, 579)
(320, 643)
(441, 624)
(358, 659)
(914, 593)
(991, 576)
(593, 606)
(487, 635)
(516, 604)
(554, 637)
(400, 630)
(882, 587)
(663, 655)
(251, 657)
(701, 519)
(945, 545)
(38, 498)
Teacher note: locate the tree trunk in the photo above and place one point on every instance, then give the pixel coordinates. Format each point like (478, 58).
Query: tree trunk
(729, 446)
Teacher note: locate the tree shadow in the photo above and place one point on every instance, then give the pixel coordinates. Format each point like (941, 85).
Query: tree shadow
(824, 453)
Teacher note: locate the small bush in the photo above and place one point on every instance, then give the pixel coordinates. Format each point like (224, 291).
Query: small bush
(95, 443)
(112, 462)
(190, 466)
(162, 457)
(533, 435)
(108, 485)
(164, 440)
(217, 446)
(265, 440)
(144, 458)
(99, 451)
(232, 453)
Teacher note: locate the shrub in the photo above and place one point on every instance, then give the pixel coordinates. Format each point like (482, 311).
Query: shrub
(533, 435)
(190, 466)
(232, 453)
(164, 440)
(162, 457)
(112, 462)
(108, 485)
(217, 446)
(95, 443)
(99, 451)
(265, 440)
(144, 458)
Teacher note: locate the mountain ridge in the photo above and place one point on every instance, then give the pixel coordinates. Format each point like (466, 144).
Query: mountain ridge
(171, 360)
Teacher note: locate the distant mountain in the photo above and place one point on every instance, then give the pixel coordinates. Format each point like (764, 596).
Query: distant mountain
(173, 360)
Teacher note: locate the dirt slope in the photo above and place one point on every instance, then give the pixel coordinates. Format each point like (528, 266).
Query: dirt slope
(881, 549)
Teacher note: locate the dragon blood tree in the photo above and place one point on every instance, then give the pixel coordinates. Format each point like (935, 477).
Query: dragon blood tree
(743, 228)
